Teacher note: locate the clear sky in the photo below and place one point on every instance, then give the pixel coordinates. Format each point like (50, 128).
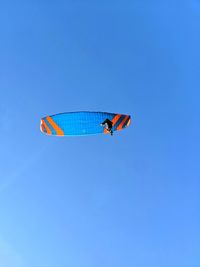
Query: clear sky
(131, 200)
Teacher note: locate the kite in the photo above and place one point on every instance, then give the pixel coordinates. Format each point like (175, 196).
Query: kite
(84, 123)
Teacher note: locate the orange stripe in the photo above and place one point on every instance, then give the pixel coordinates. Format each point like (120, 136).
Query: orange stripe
(120, 126)
(115, 119)
(43, 124)
(58, 130)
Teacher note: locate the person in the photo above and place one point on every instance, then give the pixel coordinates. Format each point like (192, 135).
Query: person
(107, 124)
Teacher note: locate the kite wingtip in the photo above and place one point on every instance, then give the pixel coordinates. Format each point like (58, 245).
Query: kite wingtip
(129, 121)
(41, 126)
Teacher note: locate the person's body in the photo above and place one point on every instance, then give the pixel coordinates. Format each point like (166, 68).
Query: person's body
(107, 124)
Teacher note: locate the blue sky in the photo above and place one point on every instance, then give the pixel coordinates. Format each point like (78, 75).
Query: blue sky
(130, 200)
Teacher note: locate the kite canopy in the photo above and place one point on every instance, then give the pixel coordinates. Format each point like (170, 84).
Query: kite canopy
(82, 123)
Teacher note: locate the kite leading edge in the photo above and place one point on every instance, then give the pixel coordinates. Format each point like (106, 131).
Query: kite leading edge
(84, 123)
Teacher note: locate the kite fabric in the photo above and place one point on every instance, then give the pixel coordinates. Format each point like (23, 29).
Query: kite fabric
(82, 123)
